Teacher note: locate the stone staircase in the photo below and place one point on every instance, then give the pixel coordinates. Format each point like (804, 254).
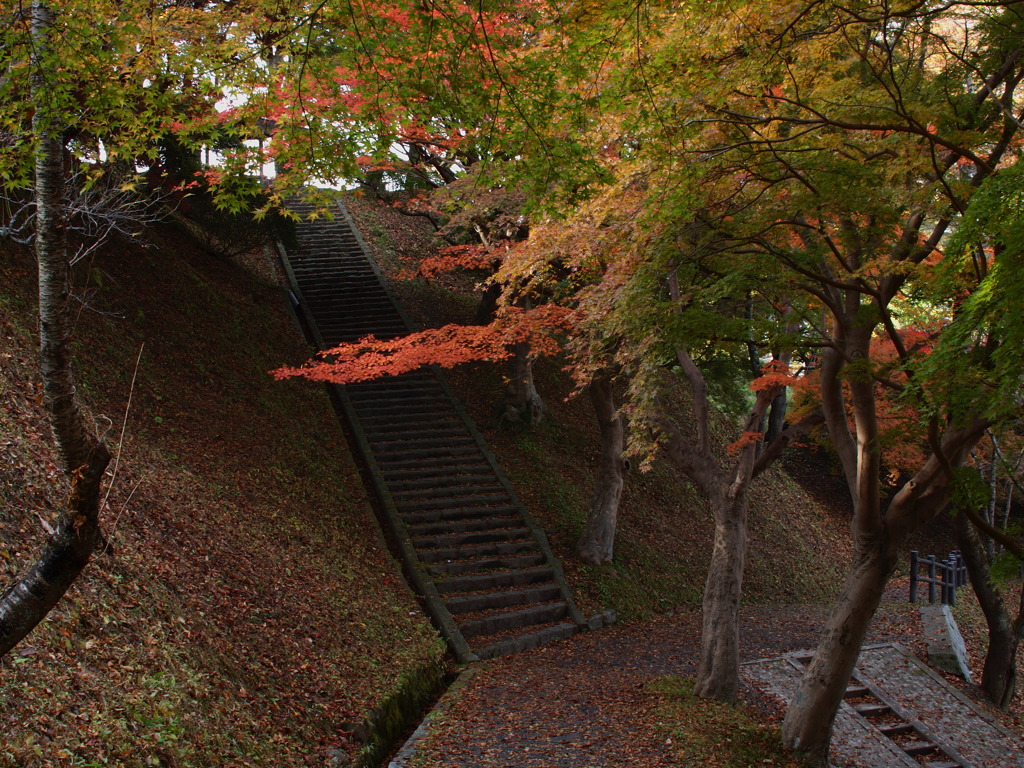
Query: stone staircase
(470, 548)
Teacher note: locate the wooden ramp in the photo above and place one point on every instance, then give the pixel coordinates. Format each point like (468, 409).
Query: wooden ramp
(473, 552)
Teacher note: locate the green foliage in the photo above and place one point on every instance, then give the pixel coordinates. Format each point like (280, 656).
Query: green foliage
(980, 355)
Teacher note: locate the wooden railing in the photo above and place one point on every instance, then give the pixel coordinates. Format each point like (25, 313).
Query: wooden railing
(946, 575)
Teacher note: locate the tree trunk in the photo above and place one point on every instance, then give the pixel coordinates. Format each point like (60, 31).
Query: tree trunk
(488, 304)
(597, 541)
(84, 458)
(776, 418)
(999, 675)
(718, 673)
(523, 405)
(807, 727)
(27, 601)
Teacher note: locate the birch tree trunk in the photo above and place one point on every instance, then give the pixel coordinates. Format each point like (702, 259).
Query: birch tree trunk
(84, 458)
(597, 542)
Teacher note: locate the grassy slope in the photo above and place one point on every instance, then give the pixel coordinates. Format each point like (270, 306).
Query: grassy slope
(248, 612)
(664, 535)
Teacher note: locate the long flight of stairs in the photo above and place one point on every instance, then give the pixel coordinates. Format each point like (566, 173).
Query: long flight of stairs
(483, 567)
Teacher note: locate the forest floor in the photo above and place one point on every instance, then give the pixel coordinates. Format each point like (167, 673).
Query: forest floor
(600, 700)
(619, 698)
(246, 611)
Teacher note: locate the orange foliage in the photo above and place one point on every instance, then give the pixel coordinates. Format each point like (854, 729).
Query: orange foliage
(774, 374)
(747, 438)
(901, 437)
(457, 257)
(372, 358)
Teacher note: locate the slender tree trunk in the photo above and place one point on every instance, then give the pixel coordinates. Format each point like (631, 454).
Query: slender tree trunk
(597, 542)
(85, 459)
(999, 675)
(27, 601)
(718, 673)
(776, 418)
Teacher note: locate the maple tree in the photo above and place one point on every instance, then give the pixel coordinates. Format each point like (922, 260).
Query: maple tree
(992, 226)
(853, 142)
(656, 319)
(821, 156)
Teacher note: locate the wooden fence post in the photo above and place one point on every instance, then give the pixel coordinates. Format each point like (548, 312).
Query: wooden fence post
(913, 575)
(931, 579)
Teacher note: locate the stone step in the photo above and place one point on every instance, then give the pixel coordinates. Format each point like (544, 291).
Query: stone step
(467, 539)
(438, 478)
(454, 489)
(411, 447)
(872, 710)
(853, 691)
(346, 256)
(918, 748)
(438, 438)
(480, 500)
(336, 309)
(484, 564)
(325, 273)
(405, 415)
(458, 513)
(463, 526)
(494, 580)
(397, 459)
(427, 474)
(412, 381)
(429, 463)
(502, 599)
(526, 641)
(400, 400)
(413, 435)
(538, 614)
(896, 729)
(499, 549)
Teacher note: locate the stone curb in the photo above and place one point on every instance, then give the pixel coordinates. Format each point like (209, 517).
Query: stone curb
(404, 757)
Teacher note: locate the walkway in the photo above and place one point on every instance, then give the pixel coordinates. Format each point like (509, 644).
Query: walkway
(900, 714)
(583, 703)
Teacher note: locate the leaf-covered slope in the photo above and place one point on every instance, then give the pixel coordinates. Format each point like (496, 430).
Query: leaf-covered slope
(246, 611)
